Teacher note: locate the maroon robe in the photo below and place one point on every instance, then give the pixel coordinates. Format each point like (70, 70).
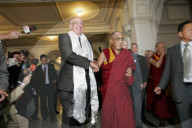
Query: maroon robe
(117, 110)
(157, 103)
(106, 69)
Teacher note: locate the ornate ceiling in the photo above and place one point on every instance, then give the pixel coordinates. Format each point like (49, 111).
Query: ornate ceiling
(52, 18)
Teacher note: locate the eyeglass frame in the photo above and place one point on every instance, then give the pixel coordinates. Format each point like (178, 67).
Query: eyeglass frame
(75, 22)
(118, 39)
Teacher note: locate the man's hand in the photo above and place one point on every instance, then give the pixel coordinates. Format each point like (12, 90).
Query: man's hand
(3, 94)
(10, 35)
(129, 72)
(13, 35)
(163, 53)
(94, 66)
(144, 84)
(27, 79)
(157, 90)
(25, 71)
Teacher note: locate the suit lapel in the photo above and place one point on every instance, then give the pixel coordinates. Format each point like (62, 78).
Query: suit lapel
(49, 69)
(41, 71)
(180, 58)
(178, 51)
(139, 60)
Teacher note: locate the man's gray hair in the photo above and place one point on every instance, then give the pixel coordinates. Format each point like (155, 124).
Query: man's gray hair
(71, 21)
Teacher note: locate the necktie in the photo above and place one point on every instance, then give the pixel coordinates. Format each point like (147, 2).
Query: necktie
(44, 72)
(80, 41)
(187, 64)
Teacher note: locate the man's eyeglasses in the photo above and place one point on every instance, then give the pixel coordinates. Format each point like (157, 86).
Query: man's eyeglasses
(118, 39)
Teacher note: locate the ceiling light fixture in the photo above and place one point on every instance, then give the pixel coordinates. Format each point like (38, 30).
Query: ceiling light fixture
(58, 60)
(79, 11)
(51, 37)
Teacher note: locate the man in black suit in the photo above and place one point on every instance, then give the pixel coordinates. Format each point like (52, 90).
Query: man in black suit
(138, 87)
(178, 67)
(76, 77)
(45, 77)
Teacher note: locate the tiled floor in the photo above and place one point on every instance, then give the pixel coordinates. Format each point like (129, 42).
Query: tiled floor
(57, 124)
(48, 124)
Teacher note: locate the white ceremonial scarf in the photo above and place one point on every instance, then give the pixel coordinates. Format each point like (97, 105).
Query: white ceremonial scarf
(80, 83)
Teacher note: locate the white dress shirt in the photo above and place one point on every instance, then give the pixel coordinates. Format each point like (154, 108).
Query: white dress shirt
(12, 62)
(182, 50)
(47, 78)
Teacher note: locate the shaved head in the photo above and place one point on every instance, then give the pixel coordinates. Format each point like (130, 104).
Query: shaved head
(113, 34)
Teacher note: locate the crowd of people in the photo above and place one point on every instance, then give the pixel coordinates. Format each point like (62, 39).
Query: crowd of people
(130, 83)
(26, 84)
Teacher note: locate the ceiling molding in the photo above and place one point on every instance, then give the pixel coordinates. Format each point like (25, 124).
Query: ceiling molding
(40, 1)
(47, 16)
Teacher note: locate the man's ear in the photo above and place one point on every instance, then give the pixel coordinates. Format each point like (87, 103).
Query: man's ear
(110, 41)
(155, 48)
(70, 26)
(180, 34)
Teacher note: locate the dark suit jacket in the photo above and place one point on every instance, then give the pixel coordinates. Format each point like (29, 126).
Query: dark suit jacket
(3, 69)
(69, 58)
(3, 73)
(174, 70)
(39, 76)
(143, 66)
(144, 70)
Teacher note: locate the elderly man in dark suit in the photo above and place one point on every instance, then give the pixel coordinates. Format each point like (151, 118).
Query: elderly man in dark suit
(76, 83)
(178, 68)
(138, 87)
(45, 77)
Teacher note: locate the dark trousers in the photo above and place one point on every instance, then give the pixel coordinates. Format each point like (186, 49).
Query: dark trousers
(66, 98)
(47, 92)
(55, 100)
(36, 97)
(184, 108)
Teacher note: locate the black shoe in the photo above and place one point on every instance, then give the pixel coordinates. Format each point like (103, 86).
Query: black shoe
(53, 119)
(171, 122)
